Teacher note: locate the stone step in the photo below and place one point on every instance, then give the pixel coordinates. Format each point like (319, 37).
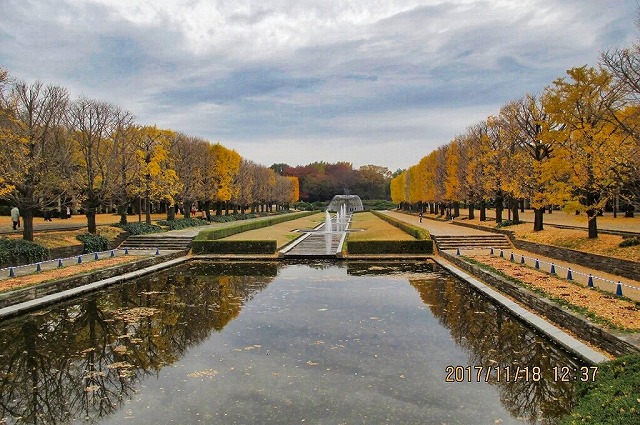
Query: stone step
(161, 242)
(471, 241)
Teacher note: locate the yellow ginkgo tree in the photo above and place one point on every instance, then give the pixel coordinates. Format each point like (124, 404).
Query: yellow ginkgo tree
(158, 180)
(586, 140)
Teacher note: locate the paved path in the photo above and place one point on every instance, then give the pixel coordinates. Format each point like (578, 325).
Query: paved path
(602, 280)
(28, 269)
(561, 218)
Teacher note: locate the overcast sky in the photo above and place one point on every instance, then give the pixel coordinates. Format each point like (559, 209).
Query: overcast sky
(365, 81)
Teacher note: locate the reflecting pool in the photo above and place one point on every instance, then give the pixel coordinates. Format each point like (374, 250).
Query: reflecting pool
(281, 343)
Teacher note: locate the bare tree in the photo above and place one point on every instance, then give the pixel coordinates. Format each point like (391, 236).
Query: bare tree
(125, 161)
(92, 125)
(30, 132)
(624, 65)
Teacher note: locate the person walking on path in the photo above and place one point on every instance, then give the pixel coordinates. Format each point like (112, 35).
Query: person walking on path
(15, 217)
(420, 215)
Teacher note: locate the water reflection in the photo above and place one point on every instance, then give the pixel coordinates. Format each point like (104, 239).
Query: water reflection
(82, 361)
(494, 340)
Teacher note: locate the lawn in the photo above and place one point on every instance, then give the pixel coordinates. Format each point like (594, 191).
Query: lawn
(375, 229)
(282, 233)
(65, 238)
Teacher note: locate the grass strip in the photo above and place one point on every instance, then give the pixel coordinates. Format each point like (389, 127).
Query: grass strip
(562, 302)
(223, 232)
(612, 398)
(415, 231)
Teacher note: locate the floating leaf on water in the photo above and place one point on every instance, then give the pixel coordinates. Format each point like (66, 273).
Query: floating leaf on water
(252, 347)
(121, 349)
(120, 365)
(202, 373)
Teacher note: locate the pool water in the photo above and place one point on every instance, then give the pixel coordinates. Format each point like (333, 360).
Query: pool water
(281, 343)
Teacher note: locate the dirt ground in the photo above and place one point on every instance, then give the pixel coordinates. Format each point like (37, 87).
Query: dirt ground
(32, 279)
(619, 312)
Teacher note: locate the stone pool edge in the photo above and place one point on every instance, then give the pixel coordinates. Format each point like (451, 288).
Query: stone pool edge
(560, 337)
(26, 306)
(553, 332)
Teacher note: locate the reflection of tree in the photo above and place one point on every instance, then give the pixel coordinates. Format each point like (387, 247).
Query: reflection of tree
(83, 360)
(495, 339)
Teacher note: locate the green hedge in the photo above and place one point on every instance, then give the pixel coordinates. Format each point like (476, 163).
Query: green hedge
(233, 247)
(14, 252)
(629, 242)
(613, 398)
(140, 228)
(390, 247)
(182, 223)
(93, 243)
(213, 234)
(378, 204)
(415, 231)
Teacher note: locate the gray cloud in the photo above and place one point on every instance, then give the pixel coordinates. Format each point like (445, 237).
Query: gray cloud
(369, 82)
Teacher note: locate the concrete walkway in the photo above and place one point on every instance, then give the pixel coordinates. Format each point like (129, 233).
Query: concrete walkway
(28, 269)
(602, 280)
(561, 218)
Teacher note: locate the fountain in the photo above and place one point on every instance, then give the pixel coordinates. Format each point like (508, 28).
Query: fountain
(327, 222)
(326, 239)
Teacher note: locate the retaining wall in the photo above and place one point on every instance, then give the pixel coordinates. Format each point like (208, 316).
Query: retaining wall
(617, 266)
(581, 326)
(32, 292)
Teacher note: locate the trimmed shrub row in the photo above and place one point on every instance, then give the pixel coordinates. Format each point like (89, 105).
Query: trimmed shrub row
(19, 251)
(415, 231)
(629, 242)
(213, 234)
(182, 223)
(140, 228)
(93, 243)
(233, 247)
(424, 246)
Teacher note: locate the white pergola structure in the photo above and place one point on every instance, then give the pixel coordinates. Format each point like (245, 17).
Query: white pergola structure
(352, 203)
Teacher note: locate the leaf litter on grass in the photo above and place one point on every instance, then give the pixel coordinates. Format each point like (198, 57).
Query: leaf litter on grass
(620, 312)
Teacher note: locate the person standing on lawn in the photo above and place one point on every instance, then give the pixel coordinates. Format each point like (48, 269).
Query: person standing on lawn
(15, 217)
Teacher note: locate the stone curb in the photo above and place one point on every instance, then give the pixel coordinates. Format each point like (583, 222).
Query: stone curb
(556, 334)
(27, 306)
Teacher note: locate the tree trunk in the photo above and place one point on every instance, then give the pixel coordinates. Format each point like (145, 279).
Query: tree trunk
(139, 209)
(147, 209)
(538, 217)
(91, 220)
(456, 209)
(483, 211)
(27, 224)
(171, 213)
(218, 208)
(593, 225)
(471, 212)
(499, 201)
(515, 211)
(122, 211)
